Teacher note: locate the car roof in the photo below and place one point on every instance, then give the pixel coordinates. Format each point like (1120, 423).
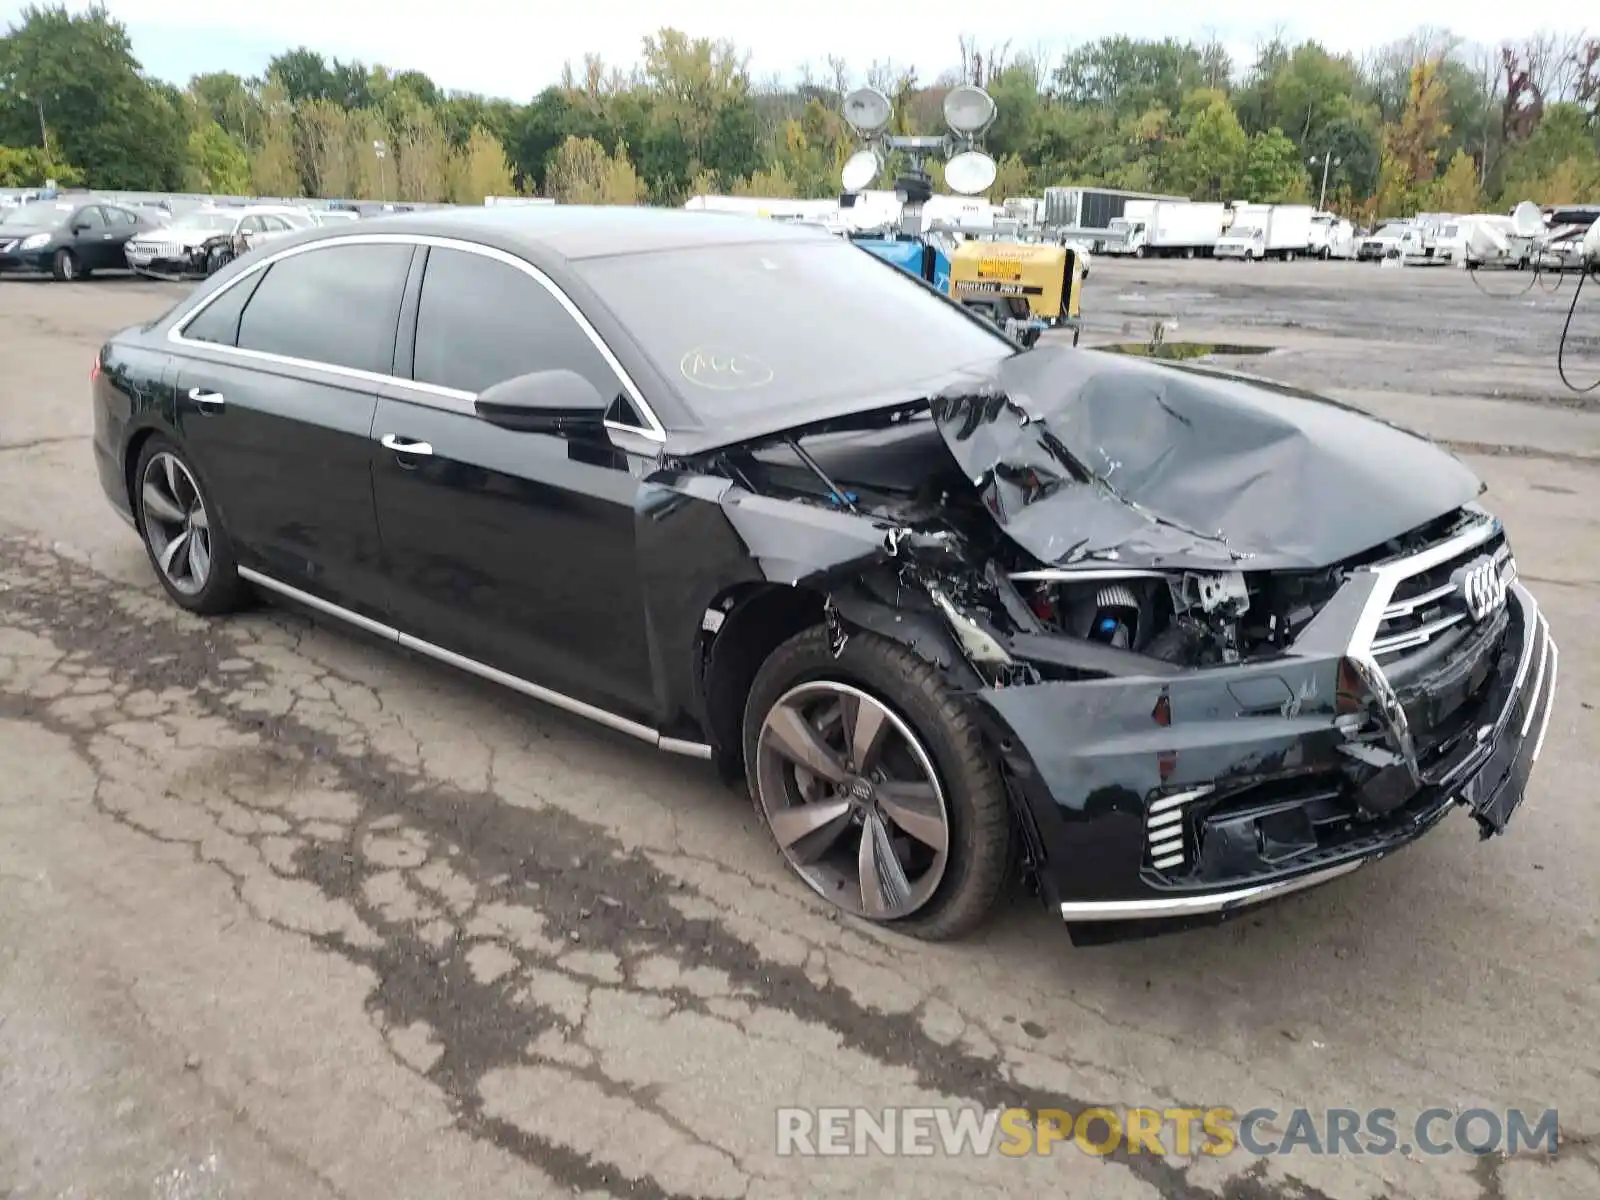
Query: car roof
(574, 231)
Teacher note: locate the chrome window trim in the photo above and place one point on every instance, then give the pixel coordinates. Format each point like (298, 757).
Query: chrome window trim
(472, 666)
(653, 431)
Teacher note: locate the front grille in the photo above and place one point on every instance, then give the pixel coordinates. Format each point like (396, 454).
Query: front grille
(1432, 602)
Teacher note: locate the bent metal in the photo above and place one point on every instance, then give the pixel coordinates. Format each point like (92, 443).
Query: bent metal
(1040, 611)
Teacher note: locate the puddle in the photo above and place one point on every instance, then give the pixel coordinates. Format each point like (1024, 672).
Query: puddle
(1183, 349)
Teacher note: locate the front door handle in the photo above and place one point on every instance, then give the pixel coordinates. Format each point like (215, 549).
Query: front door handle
(402, 445)
(208, 401)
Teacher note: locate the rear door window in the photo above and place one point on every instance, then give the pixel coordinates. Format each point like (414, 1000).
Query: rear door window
(337, 305)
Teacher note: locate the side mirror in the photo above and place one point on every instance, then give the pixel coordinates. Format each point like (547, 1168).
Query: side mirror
(562, 403)
(80, 227)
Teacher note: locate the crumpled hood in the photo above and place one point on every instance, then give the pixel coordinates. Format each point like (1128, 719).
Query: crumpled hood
(1080, 454)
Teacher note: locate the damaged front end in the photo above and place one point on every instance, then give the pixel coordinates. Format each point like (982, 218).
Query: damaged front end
(1207, 683)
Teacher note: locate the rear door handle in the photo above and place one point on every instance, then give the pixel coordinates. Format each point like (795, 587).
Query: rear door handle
(205, 399)
(402, 445)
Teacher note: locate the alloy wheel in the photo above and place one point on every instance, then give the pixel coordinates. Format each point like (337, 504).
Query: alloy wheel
(853, 800)
(176, 524)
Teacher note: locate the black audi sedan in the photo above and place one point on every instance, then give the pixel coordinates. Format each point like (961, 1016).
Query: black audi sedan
(1167, 641)
(68, 238)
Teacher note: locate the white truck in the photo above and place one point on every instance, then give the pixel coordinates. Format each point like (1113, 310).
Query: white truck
(1332, 236)
(1260, 231)
(1159, 228)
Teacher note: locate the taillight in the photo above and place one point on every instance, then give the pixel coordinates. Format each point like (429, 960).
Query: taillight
(94, 367)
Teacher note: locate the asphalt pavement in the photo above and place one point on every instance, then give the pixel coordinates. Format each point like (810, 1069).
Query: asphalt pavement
(286, 913)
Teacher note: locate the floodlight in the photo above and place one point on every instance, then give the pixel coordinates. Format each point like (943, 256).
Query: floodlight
(970, 172)
(1589, 251)
(968, 109)
(868, 110)
(860, 169)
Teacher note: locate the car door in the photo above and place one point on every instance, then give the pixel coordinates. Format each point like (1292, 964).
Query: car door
(92, 239)
(514, 549)
(122, 225)
(277, 387)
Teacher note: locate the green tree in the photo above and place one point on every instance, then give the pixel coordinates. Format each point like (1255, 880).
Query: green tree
(1273, 170)
(31, 167)
(216, 162)
(1209, 165)
(70, 85)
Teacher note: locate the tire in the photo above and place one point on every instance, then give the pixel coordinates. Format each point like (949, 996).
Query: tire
(1288, 256)
(64, 266)
(1138, 251)
(978, 826)
(215, 590)
(216, 260)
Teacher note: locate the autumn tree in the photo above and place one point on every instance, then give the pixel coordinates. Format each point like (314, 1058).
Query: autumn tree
(275, 167)
(480, 169)
(1456, 189)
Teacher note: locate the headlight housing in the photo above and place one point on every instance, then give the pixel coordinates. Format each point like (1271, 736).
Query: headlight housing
(34, 241)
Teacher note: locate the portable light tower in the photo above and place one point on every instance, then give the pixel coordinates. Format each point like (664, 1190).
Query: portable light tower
(968, 110)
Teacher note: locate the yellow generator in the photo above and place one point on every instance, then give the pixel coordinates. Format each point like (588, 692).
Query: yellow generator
(1029, 281)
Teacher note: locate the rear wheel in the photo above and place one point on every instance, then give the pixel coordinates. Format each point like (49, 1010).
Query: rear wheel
(876, 785)
(64, 267)
(183, 534)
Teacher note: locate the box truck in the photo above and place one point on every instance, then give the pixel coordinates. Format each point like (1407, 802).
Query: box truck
(1167, 227)
(1260, 231)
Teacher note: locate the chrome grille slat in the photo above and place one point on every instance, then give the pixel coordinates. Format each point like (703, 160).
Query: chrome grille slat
(1164, 828)
(1451, 554)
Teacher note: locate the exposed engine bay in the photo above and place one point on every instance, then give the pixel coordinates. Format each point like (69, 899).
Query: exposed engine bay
(1111, 539)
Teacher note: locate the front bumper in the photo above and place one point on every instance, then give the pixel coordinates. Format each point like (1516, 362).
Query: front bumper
(165, 267)
(26, 262)
(1194, 796)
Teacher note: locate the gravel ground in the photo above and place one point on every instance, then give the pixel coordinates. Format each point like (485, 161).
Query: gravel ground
(284, 913)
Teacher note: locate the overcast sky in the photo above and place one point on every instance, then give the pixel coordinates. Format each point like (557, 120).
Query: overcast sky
(514, 48)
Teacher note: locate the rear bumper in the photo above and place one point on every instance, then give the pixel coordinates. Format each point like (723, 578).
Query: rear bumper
(1248, 790)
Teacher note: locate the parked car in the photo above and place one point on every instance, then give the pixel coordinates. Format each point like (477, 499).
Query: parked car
(67, 239)
(1174, 640)
(333, 216)
(205, 240)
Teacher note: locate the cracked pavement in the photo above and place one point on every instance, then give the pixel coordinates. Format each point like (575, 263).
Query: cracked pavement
(286, 912)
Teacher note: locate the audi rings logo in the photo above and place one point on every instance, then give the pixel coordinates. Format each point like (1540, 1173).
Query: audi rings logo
(1482, 587)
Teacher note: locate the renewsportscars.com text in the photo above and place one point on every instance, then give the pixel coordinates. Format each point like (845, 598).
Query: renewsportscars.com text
(1017, 1132)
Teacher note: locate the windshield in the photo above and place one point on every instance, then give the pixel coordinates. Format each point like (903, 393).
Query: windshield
(1394, 231)
(1244, 231)
(788, 326)
(41, 214)
(211, 222)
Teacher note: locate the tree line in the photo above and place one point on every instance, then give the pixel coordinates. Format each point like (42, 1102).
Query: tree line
(1427, 123)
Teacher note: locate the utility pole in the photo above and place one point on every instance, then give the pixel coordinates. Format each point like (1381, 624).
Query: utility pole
(1327, 161)
(382, 151)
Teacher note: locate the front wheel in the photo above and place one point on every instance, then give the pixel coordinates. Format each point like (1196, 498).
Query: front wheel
(64, 266)
(876, 785)
(216, 260)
